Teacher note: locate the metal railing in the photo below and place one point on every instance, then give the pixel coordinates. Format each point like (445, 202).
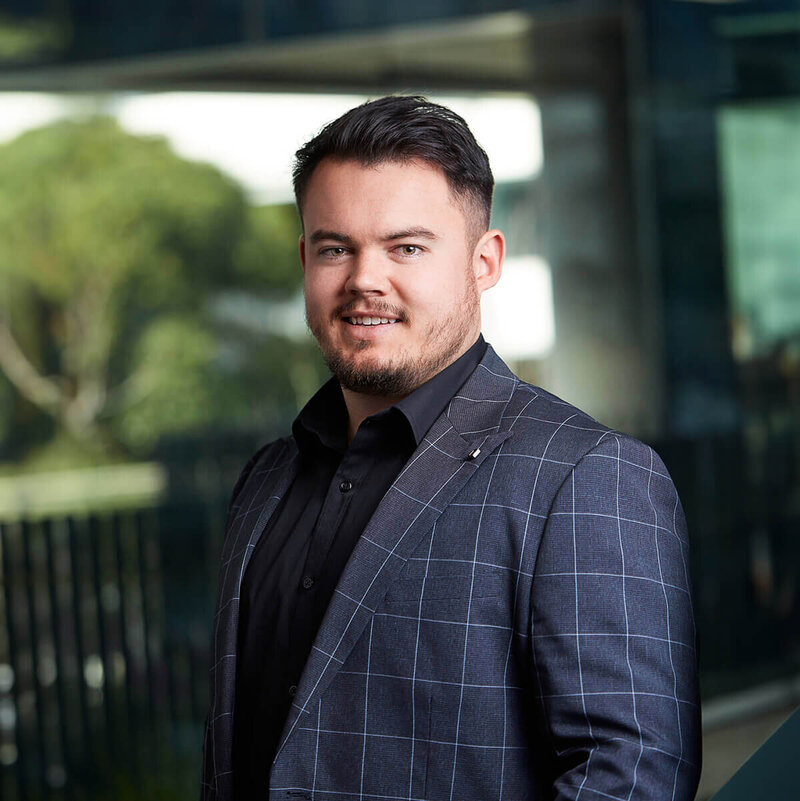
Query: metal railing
(104, 653)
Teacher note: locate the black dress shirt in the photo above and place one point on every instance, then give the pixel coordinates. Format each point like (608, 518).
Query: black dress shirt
(296, 565)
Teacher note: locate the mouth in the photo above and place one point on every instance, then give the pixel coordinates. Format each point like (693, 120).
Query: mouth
(369, 321)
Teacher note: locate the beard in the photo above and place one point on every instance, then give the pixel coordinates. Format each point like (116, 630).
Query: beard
(404, 371)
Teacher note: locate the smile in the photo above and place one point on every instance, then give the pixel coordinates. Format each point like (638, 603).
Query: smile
(369, 321)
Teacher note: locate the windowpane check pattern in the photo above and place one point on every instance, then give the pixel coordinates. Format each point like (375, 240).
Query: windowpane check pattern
(515, 624)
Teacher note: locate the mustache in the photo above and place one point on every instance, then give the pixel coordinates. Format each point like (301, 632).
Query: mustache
(373, 309)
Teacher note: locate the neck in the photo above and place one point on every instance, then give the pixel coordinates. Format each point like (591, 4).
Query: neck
(361, 406)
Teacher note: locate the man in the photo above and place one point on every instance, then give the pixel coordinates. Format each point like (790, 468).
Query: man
(447, 583)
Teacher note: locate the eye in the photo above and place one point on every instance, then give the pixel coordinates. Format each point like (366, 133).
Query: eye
(333, 252)
(409, 250)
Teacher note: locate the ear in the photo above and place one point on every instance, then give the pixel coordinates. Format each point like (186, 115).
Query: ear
(487, 259)
(302, 246)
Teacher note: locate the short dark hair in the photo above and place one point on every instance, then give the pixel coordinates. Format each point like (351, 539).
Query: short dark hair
(401, 128)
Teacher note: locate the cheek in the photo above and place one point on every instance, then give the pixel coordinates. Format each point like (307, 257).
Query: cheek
(435, 295)
(315, 306)
(318, 291)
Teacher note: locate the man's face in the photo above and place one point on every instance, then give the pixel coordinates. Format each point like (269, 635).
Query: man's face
(392, 280)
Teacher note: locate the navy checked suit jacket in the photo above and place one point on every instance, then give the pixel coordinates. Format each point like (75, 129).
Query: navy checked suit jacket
(515, 621)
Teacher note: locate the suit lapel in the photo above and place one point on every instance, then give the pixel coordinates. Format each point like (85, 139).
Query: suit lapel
(258, 499)
(447, 457)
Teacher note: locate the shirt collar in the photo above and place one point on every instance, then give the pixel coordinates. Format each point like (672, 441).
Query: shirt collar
(324, 418)
(428, 401)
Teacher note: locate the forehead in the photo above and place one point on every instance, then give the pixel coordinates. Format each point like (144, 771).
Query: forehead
(406, 193)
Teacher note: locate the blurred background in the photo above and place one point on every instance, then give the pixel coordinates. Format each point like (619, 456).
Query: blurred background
(647, 157)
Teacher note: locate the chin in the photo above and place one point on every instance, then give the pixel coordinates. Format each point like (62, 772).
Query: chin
(372, 376)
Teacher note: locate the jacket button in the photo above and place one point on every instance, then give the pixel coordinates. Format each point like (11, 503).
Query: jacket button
(308, 583)
(293, 691)
(346, 486)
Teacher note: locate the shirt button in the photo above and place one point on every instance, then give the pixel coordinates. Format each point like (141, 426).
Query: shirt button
(308, 583)
(293, 691)
(346, 486)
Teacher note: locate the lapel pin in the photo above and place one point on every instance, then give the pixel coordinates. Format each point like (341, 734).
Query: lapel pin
(474, 454)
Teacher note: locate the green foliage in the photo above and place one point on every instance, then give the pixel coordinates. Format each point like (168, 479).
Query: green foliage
(113, 251)
(275, 235)
(171, 380)
(85, 202)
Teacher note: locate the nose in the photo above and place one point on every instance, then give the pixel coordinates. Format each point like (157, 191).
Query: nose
(368, 275)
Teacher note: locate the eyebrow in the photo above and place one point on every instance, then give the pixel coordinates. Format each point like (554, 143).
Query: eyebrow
(322, 235)
(411, 233)
(417, 232)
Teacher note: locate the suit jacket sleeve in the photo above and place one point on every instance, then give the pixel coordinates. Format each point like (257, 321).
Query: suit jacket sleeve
(612, 631)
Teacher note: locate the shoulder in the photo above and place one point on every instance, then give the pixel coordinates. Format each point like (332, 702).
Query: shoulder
(549, 437)
(540, 423)
(569, 441)
(270, 456)
(543, 422)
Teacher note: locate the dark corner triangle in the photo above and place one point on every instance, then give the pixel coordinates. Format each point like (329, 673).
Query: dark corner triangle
(772, 770)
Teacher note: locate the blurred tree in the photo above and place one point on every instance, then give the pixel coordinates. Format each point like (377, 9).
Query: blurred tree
(113, 254)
